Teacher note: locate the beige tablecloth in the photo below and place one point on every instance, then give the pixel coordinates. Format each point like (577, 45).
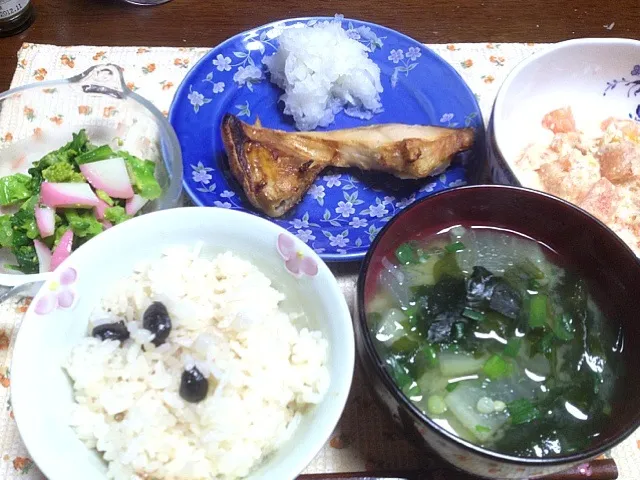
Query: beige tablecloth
(364, 439)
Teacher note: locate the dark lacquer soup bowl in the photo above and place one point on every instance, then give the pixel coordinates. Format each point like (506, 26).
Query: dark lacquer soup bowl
(572, 241)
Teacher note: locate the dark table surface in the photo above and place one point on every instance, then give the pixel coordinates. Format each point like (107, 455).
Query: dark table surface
(208, 22)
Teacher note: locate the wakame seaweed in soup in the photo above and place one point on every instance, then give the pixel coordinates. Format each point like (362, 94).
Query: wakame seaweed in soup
(495, 342)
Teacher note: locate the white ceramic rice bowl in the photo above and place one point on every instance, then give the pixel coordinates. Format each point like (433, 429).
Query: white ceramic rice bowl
(42, 394)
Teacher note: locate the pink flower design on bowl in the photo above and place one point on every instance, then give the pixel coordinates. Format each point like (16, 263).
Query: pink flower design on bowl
(295, 261)
(58, 293)
(585, 469)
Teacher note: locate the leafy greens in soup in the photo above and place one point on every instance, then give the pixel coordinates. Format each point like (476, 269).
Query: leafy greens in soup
(495, 342)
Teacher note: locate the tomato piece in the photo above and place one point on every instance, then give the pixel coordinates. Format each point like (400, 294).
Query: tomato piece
(560, 121)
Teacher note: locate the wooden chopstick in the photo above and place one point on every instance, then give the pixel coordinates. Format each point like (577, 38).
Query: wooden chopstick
(605, 469)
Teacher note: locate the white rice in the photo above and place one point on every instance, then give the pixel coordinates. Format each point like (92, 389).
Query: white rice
(322, 70)
(226, 318)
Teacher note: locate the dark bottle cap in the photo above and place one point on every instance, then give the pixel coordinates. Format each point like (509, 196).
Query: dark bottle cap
(15, 16)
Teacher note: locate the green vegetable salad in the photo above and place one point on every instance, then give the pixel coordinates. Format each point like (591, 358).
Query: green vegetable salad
(69, 196)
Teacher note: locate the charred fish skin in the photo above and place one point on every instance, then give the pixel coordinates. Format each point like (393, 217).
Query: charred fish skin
(233, 138)
(273, 182)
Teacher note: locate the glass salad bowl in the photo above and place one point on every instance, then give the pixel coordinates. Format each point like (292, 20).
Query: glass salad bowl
(37, 119)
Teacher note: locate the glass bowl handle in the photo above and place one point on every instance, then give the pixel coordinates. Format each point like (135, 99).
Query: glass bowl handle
(105, 79)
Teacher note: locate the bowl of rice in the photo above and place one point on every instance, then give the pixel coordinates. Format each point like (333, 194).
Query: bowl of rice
(193, 343)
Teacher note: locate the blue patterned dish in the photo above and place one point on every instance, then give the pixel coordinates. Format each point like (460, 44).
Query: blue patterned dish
(344, 210)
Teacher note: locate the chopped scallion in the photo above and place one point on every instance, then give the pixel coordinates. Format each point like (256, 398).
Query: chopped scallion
(458, 331)
(405, 254)
(430, 355)
(472, 314)
(452, 386)
(413, 391)
(496, 367)
(482, 429)
(537, 310)
(400, 374)
(454, 247)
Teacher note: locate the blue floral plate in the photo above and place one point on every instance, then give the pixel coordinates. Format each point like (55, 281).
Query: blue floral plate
(344, 210)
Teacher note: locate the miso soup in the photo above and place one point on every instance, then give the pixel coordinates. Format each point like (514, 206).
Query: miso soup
(495, 340)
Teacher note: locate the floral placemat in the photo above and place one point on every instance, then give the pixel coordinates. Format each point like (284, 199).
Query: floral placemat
(364, 438)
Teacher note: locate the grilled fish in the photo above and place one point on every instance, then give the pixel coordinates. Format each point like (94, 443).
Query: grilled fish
(275, 168)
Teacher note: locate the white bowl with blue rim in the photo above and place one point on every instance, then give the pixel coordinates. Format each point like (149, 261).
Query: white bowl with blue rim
(58, 319)
(597, 77)
(343, 210)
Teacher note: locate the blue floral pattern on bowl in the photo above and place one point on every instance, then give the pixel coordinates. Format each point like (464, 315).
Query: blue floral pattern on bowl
(344, 209)
(628, 86)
